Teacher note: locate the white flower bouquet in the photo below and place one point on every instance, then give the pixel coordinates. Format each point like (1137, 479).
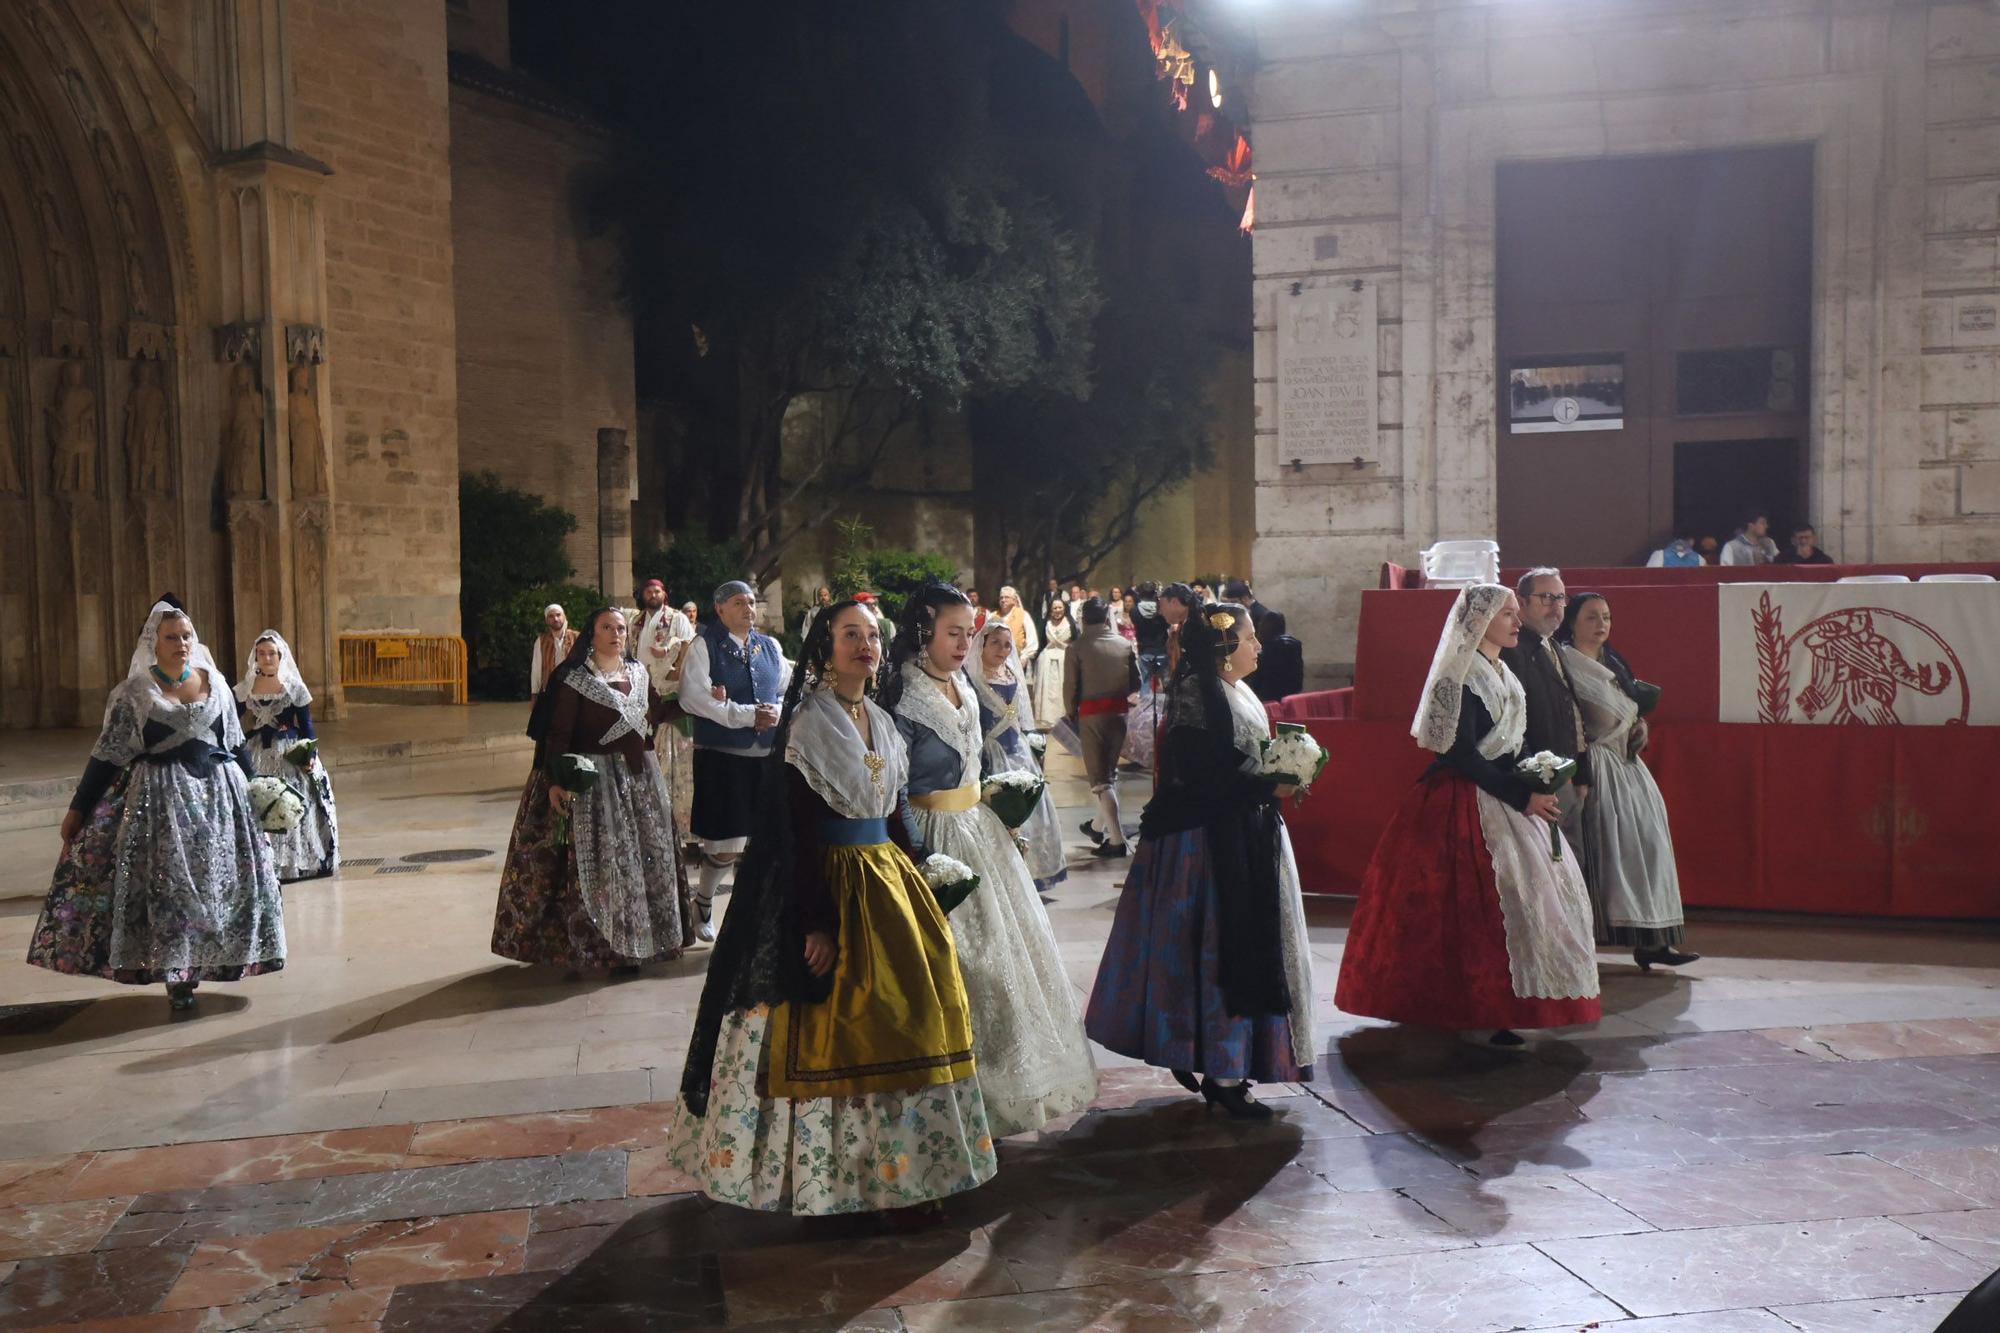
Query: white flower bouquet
(1013, 795)
(951, 881)
(1038, 743)
(275, 806)
(1547, 772)
(302, 754)
(1293, 757)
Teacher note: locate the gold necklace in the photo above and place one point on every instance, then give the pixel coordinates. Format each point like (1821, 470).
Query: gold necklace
(855, 708)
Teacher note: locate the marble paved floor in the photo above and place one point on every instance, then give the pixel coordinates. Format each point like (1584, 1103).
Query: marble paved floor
(403, 1132)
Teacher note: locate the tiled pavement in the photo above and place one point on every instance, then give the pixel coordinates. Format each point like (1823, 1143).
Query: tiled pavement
(1801, 1134)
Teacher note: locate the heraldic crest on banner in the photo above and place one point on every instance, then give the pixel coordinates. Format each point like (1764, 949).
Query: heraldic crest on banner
(1857, 664)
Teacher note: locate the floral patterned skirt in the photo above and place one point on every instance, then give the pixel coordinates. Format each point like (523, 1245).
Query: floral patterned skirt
(820, 1155)
(312, 850)
(169, 880)
(542, 916)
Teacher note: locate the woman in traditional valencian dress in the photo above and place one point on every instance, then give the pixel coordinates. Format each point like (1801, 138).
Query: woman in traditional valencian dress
(1208, 970)
(166, 875)
(831, 1067)
(1466, 920)
(1006, 718)
(1047, 691)
(1034, 1062)
(277, 719)
(1628, 860)
(593, 878)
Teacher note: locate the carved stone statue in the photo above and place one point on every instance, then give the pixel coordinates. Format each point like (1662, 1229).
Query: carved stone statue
(11, 476)
(73, 432)
(309, 469)
(243, 434)
(148, 446)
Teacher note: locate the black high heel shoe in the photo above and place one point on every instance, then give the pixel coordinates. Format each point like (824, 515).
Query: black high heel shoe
(180, 996)
(1235, 1099)
(1186, 1079)
(1666, 956)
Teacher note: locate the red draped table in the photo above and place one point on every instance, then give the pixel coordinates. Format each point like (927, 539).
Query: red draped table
(1804, 815)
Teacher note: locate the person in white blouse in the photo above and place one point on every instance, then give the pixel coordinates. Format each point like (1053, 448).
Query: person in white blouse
(660, 636)
(733, 680)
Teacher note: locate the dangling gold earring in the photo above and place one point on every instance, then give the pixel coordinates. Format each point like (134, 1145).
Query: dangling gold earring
(832, 679)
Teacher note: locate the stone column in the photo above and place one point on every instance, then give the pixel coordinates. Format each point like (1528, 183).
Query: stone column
(615, 485)
(17, 546)
(245, 448)
(274, 290)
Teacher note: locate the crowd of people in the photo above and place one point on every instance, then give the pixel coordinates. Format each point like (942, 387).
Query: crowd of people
(1488, 894)
(1751, 544)
(869, 1025)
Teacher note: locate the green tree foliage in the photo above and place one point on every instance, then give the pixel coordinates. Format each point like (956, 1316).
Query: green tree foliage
(1066, 478)
(892, 573)
(507, 631)
(510, 545)
(692, 567)
(895, 573)
(820, 199)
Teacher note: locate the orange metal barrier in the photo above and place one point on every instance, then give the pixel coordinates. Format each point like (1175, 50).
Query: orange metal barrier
(400, 661)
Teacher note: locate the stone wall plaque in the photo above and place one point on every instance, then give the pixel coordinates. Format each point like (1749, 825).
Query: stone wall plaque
(1976, 319)
(1326, 374)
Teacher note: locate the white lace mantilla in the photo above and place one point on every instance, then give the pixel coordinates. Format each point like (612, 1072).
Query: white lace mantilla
(631, 706)
(924, 701)
(826, 748)
(1507, 703)
(1250, 721)
(1607, 711)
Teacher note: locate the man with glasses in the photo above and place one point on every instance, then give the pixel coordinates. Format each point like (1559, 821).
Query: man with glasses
(1554, 722)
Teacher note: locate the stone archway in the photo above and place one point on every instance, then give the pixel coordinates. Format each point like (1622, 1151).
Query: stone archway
(161, 272)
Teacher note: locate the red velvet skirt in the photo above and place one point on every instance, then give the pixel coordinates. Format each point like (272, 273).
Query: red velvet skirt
(1427, 944)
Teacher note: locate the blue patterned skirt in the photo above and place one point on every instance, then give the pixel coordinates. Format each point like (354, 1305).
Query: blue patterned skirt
(1158, 996)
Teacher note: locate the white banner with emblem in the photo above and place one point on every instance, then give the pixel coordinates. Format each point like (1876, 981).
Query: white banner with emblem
(1880, 654)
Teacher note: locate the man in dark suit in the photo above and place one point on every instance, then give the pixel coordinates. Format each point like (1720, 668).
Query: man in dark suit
(1554, 722)
(1241, 593)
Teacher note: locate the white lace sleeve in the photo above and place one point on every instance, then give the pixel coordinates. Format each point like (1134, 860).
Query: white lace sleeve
(124, 733)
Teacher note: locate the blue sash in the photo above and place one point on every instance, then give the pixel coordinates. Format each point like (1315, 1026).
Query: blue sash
(854, 832)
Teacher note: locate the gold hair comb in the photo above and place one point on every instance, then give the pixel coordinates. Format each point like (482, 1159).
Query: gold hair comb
(1222, 621)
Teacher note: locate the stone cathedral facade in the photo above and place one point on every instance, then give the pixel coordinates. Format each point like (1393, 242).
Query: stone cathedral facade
(230, 297)
(1769, 230)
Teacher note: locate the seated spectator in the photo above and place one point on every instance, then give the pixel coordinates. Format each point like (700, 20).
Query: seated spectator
(1804, 549)
(1281, 668)
(1709, 549)
(1676, 554)
(1752, 544)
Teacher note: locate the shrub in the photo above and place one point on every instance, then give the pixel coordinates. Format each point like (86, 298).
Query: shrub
(510, 543)
(895, 573)
(692, 568)
(507, 633)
